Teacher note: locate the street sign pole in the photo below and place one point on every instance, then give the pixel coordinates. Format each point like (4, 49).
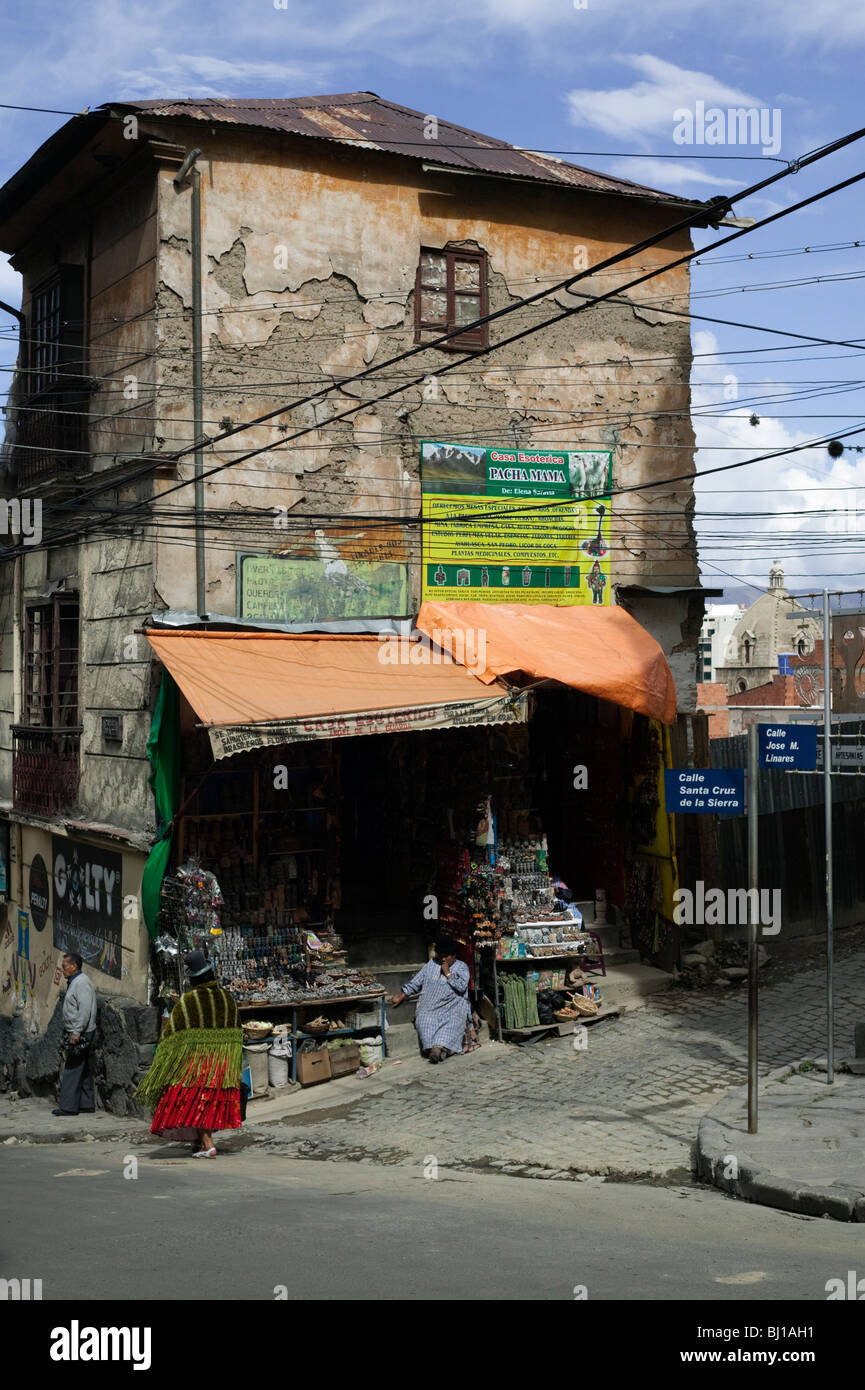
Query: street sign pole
(827, 792)
(754, 896)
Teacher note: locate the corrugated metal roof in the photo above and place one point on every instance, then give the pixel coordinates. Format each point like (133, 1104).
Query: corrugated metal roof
(366, 121)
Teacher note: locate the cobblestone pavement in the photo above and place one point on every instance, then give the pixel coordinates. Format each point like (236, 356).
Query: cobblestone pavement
(629, 1105)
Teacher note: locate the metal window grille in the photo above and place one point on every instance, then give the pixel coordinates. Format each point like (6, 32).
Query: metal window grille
(47, 335)
(45, 763)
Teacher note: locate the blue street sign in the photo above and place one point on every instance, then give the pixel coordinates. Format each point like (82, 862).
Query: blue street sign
(790, 746)
(714, 791)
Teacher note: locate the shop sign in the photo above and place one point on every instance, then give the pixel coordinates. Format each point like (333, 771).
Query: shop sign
(711, 791)
(511, 525)
(39, 892)
(339, 576)
(88, 903)
(238, 738)
(844, 755)
(790, 746)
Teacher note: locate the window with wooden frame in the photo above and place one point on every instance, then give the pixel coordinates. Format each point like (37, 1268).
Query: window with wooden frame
(56, 328)
(51, 663)
(450, 291)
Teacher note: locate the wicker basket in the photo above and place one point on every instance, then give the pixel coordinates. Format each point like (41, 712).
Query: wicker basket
(317, 1027)
(587, 1007)
(256, 1032)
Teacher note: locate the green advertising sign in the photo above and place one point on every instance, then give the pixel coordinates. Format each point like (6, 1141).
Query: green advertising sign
(277, 588)
(485, 540)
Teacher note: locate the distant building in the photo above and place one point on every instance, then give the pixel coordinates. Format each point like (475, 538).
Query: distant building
(764, 632)
(797, 689)
(715, 634)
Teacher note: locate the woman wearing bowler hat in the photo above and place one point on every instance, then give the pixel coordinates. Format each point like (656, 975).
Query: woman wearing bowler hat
(193, 1083)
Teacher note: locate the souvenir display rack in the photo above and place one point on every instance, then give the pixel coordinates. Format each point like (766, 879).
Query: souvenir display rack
(267, 828)
(499, 902)
(296, 1033)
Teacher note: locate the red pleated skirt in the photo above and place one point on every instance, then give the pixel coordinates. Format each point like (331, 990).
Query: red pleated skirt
(195, 1107)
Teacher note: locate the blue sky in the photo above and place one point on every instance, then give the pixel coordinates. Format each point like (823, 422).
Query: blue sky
(610, 77)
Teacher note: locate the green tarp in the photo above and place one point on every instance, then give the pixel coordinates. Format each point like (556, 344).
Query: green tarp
(163, 751)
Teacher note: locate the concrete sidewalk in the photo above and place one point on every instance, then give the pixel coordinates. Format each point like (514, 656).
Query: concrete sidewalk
(30, 1121)
(808, 1155)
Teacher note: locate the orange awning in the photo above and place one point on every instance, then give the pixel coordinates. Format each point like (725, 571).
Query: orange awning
(254, 689)
(600, 650)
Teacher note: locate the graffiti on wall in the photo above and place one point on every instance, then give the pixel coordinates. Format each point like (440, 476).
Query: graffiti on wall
(88, 903)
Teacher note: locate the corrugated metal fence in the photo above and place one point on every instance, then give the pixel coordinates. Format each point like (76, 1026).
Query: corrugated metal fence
(792, 839)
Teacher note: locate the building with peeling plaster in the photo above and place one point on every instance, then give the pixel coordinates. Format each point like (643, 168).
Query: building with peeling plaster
(315, 215)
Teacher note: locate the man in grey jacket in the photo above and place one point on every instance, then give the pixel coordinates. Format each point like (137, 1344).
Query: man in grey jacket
(79, 1024)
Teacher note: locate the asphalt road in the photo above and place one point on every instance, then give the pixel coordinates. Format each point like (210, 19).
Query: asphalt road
(240, 1226)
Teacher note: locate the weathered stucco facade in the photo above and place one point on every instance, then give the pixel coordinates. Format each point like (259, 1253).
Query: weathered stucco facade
(310, 250)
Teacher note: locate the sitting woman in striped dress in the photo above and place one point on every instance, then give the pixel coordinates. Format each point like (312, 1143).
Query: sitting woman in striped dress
(443, 1012)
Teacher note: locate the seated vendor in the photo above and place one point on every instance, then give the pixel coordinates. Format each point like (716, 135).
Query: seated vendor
(444, 1016)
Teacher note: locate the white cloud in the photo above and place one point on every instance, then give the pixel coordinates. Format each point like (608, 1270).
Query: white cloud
(197, 74)
(648, 106)
(810, 547)
(669, 174)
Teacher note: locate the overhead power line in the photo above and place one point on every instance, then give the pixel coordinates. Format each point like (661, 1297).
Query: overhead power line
(719, 206)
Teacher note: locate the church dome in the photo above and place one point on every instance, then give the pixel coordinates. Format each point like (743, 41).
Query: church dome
(765, 629)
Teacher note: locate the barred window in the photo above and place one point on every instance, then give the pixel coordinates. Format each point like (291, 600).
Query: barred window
(56, 327)
(51, 663)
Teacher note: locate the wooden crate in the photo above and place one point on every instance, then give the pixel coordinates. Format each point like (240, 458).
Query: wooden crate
(344, 1060)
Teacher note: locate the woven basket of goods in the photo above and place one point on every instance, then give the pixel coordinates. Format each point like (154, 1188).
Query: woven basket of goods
(588, 1007)
(565, 1015)
(254, 1031)
(318, 1027)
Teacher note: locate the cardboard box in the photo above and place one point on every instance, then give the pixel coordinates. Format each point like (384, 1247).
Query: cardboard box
(313, 1067)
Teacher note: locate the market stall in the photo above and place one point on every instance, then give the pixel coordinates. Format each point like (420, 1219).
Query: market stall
(526, 943)
(257, 887)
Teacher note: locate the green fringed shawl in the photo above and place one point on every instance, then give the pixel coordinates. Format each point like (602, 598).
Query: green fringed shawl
(201, 1045)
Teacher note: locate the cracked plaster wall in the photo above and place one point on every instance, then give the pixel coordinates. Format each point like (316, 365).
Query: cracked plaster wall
(310, 258)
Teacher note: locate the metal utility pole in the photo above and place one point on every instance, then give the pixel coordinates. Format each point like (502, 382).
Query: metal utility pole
(827, 791)
(189, 165)
(753, 918)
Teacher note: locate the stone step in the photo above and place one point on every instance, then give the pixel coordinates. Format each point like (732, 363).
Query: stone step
(393, 977)
(609, 936)
(619, 956)
(588, 911)
(628, 985)
(402, 1042)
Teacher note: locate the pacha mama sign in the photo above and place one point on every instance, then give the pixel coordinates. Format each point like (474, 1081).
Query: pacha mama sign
(88, 903)
(516, 525)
